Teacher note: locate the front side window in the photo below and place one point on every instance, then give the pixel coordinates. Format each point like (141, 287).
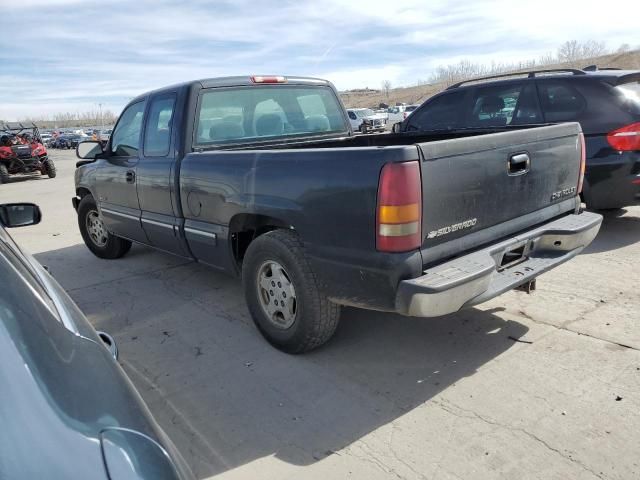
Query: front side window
(259, 113)
(352, 115)
(125, 140)
(442, 113)
(560, 102)
(157, 133)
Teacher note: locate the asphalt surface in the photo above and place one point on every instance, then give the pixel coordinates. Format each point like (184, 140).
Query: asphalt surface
(542, 386)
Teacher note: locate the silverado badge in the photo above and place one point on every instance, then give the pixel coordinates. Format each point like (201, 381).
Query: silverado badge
(452, 228)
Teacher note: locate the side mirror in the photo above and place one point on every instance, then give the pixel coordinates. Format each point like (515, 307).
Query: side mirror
(89, 149)
(19, 214)
(396, 127)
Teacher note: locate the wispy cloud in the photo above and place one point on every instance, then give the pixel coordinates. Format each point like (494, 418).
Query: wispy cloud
(69, 55)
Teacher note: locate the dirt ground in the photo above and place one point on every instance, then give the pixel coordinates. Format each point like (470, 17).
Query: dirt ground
(542, 386)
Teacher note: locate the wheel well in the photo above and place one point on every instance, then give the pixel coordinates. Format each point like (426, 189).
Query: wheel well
(82, 192)
(245, 228)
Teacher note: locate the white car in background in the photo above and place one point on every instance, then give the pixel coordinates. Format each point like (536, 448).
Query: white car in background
(398, 113)
(408, 109)
(395, 114)
(366, 120)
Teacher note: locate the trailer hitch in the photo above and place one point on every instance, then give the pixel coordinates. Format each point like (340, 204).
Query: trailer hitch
(527, 287)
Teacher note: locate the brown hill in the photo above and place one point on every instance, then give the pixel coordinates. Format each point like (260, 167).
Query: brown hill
(419, 93)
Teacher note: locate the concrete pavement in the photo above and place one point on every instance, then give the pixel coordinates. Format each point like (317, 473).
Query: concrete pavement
(542, 386)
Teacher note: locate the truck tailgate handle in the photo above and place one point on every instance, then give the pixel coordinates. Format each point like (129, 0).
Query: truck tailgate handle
(519, 164)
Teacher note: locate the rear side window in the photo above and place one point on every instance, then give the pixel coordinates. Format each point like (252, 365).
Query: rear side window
(502, 105)
(444, 112)
(157, 133)
(125, 141)
(560, 101)
(259, 113)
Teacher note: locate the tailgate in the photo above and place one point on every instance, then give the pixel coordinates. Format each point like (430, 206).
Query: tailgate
(473, 183)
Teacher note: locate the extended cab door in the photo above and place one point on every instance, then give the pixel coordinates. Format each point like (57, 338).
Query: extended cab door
(156, 173)
(116, 177)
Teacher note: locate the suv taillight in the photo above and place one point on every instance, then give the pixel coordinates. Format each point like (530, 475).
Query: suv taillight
(626, 138)
(583, 162)
(399, 210)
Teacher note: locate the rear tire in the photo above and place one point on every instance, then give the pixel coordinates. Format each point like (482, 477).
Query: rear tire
(97, 239)
(4, 173)
(50, 168)
(309, 319)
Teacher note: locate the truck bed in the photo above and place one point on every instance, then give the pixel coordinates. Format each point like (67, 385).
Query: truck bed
(464, 173)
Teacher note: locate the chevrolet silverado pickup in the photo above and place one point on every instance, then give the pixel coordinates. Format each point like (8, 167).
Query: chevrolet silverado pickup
(262, 177)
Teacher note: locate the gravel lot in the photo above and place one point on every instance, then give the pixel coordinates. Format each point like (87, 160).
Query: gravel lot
(542, 386)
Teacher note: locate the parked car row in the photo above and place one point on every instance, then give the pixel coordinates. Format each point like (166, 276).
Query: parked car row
(67, 141)
(366, 120)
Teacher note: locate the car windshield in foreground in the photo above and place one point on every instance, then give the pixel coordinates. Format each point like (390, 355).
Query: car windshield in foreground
(259, 113)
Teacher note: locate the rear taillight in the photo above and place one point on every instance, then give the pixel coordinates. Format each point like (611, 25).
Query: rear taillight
(399, 213)
(625, 138)
(583, 162)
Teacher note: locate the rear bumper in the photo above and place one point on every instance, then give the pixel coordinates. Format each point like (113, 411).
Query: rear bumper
(478, 277)
(613, 181)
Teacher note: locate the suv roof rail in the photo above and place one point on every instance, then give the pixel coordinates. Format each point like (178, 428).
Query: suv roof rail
(595, 68)
(529, 74)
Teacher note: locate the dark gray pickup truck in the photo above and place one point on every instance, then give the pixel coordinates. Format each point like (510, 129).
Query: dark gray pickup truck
(262, 177)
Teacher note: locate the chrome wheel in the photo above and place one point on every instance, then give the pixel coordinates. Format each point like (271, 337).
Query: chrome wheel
(277, 295)
(96, 230)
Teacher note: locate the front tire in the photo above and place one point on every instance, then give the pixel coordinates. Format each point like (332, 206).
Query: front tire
(96, 237)
(50, 168)
(284, 296)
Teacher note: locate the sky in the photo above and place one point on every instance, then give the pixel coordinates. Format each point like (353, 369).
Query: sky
(71, 55)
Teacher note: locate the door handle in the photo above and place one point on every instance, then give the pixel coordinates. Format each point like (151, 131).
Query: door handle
(131, 176)
(518, 164)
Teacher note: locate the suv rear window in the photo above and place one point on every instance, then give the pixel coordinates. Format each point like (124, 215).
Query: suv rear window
(259, 113)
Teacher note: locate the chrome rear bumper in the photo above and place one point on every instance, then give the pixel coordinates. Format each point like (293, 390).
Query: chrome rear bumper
(482, 275)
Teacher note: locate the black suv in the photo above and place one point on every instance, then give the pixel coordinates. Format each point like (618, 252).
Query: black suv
(606, 102)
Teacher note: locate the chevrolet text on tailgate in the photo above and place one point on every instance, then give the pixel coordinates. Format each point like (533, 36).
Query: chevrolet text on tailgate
(262, 177)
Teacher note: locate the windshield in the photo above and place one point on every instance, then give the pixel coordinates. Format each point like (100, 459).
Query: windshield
(410, 108)
(629, 93)
(367, 112)
(258, 113)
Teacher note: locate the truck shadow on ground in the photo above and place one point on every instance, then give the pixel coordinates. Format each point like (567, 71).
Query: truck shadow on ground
(227, 398)
(619, 229)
